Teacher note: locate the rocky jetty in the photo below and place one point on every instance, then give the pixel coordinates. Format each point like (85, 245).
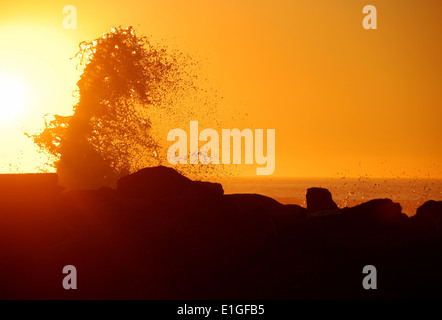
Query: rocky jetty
(160, 235)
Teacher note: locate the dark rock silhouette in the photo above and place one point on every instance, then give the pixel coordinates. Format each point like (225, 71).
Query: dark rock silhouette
(429, 217)
(319, 199)
(160, 235)
(159, 182)
(255, 202)
(381, 211)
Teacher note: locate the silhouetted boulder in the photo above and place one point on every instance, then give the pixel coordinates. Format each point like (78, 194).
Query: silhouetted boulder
(216, 188)
(429, 216)
(251, 201)
(381, 211)
(161, 182)
(258, 209)
(319, 199)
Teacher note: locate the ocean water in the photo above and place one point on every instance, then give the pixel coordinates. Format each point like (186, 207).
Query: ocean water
(410, 193)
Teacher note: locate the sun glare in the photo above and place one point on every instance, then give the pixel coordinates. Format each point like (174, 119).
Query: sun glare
(12, 98)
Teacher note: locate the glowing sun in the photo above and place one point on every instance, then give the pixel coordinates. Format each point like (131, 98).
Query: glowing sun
(12, 98)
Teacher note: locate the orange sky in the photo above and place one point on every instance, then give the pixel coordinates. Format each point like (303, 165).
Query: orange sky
(344, 101)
